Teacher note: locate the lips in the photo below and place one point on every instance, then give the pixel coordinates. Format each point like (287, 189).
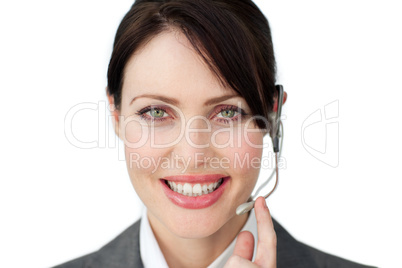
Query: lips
(194, 191)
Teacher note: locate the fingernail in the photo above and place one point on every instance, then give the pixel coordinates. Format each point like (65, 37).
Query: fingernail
(265, 203)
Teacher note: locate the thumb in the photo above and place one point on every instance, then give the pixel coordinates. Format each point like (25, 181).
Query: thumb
(244, 246)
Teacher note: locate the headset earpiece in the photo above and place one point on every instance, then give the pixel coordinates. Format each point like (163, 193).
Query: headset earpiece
(276, 125)
(275, 135)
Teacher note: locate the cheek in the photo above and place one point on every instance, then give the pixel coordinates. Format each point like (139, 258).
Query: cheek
(243, 156)
(144, 162)
(141, 156)
(133, 132)
(142, 165)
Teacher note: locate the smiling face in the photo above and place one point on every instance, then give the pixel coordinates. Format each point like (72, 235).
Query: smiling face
(185, 134)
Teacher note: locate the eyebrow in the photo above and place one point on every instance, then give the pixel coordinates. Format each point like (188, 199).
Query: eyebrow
(175, 102)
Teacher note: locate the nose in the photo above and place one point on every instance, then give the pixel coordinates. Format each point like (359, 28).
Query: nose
(195, 148)
(198, 132)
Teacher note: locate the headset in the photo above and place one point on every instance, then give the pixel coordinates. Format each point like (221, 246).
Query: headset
(276, 135)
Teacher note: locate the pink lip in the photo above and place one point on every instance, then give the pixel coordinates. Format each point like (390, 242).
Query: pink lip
(195, 202)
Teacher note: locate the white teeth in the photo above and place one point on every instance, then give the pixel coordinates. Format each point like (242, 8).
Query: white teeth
(174, 187)
(180, 188)
(211, 187)
(187, 189)
(195, 190)
(204, 189)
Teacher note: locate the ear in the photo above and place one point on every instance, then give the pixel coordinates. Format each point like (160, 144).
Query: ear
(285, 96)
(114, 111)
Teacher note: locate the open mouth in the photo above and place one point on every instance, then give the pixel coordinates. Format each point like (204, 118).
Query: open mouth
(197, 189)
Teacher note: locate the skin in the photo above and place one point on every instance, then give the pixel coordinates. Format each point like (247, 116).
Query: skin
(168, 68)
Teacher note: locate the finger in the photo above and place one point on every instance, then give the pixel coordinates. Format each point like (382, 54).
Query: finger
(266, 247)
(237, 261)
(244, 245)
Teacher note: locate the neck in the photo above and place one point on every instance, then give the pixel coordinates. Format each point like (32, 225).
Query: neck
(200, 252)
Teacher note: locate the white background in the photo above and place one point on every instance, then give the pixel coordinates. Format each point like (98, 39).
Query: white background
(58, 202)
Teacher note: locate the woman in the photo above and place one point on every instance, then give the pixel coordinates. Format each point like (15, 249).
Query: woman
(192, 84)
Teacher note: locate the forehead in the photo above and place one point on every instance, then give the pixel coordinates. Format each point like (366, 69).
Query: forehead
(169, 64)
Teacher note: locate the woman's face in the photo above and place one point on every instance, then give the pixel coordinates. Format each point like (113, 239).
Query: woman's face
(181, 126)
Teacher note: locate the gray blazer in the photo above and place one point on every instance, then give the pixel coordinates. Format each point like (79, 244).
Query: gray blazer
(124, 252)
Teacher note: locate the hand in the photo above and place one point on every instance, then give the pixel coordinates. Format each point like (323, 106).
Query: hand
(266, 247)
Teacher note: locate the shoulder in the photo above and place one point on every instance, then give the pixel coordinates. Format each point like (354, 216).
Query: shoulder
(328, 260)
(292, 253)
(122, 251)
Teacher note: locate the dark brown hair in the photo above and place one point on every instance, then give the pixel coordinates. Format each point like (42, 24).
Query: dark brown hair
(232, 36)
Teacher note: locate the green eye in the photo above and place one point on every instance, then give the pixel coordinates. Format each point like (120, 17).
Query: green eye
(228, 113)
(157, 113)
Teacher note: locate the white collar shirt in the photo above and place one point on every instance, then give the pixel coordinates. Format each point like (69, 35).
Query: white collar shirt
(152, 256)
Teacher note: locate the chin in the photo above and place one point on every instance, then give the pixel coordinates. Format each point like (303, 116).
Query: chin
(200, 223)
